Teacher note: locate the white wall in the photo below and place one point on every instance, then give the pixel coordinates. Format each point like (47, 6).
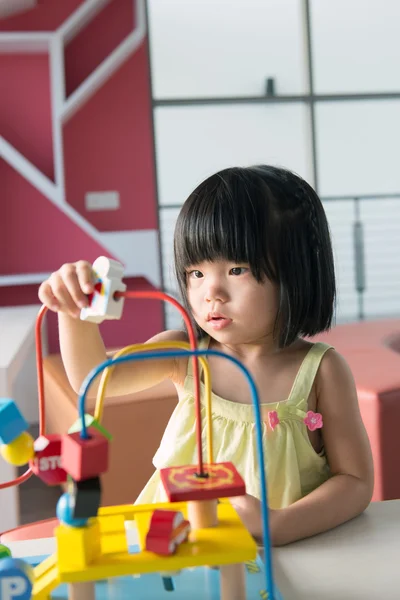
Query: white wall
(220, 49)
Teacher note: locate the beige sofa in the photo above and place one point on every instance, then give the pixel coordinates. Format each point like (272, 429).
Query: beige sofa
(135, 421)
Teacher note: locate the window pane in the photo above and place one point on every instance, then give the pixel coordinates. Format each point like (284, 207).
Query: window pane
(195, 141)
(203, 48)
(340, 214)
(356, 46)
(168, 218)
(381, 220)
(358, 147)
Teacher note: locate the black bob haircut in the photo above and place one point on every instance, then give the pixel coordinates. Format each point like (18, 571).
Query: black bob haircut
(274, 221)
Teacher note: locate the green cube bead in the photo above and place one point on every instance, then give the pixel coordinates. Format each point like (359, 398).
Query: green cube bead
(90, 421)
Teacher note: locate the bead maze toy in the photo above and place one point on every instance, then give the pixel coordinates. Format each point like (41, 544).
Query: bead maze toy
(195, 533)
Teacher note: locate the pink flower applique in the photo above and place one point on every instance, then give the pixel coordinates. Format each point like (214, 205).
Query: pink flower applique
(273, 419)
(313, 420)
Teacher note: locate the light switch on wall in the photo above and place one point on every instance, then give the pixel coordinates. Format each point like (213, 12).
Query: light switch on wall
(102, 201)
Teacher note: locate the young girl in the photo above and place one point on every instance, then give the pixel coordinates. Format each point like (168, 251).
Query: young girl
(254, 264)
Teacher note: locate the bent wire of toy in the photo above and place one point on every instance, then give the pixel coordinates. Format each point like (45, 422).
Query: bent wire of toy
(98, 413)
(257, 413)
(153, 294)
(158, 295)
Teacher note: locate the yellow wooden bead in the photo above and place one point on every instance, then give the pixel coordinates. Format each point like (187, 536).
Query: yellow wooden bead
(20, 451)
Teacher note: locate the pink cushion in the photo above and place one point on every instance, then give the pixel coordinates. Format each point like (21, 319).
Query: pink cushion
(33, 531)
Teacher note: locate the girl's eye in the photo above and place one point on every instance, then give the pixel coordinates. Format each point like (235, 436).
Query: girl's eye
(195, 274)
(238, 270)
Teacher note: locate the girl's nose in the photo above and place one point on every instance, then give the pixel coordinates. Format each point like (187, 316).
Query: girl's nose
(215, 293)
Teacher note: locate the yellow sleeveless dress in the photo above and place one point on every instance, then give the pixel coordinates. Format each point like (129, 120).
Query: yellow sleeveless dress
(294, 469)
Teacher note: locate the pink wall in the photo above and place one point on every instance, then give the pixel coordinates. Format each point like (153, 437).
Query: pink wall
(96, 41)
(108, 143)
(46, 16)
(40, 236)
(25, 111)
(107, 146)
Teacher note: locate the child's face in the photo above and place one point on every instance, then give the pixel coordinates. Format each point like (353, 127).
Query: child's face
(229, 304)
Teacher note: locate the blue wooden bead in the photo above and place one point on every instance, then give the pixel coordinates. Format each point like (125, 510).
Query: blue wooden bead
(16, 579)
(65, 511)
(12, 423)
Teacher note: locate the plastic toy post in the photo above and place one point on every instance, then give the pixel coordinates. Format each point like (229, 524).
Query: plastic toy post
(203, 513)
(81, 591)
(233, 582)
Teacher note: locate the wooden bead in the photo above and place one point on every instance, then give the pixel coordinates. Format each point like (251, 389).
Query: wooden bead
(85, 458)
(20, 451)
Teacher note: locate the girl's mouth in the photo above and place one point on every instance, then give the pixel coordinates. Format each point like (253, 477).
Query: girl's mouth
(218, 323)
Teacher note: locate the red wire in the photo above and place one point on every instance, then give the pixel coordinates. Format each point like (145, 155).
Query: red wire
(157, 295)
(40, 378)
(39, 369)
(24, 477)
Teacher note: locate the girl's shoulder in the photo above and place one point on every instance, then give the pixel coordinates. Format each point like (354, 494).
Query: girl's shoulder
(333, 364)
(334, 376)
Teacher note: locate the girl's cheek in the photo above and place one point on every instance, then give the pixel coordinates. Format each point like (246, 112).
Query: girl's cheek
(191, 297)
(194, 286)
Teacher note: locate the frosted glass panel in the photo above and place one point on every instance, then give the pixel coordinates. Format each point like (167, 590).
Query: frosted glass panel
(356, 45)
(167, 224)
(358, 147)
(381, 220)
(203, 48)
(168, 218)
(340, 214)
(193, 142)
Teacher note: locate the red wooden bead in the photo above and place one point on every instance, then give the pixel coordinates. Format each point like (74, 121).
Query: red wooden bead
(47, 461)
(85, 459)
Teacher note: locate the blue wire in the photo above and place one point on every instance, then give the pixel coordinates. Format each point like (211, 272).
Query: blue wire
(256, 405)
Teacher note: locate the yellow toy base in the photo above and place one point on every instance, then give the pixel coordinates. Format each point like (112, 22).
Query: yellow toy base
(228, 543)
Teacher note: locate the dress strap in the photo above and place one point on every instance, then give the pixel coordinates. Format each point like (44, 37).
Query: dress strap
(202, 345)
(306, 374)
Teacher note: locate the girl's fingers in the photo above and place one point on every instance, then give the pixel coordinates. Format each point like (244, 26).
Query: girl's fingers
(72, 284)
(84, 272)
(47, 297)
(62, 295)
(66, 290)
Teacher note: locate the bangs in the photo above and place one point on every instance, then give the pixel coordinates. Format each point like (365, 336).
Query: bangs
(223, 222)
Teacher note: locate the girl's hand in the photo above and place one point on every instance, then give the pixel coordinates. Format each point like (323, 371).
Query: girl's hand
(275, 526)
(249, 510)
(66, 290)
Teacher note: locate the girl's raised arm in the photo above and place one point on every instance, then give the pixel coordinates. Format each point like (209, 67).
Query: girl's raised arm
(81, 344)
